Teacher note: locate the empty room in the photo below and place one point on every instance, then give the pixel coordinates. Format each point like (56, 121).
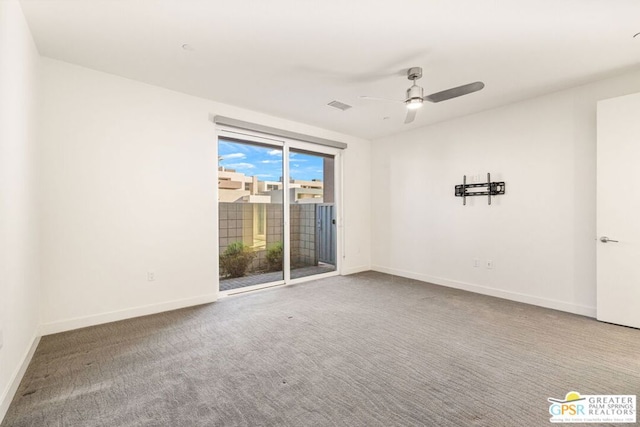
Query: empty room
(296, 213)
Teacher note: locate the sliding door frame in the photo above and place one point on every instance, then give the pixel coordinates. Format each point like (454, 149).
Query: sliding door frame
(285, 144)
(337, 179)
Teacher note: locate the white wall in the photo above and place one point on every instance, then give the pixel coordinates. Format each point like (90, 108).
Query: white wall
(129, 181)
(540, 235)
(19, 271)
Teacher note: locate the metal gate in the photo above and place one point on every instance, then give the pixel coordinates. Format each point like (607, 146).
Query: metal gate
(326, 233)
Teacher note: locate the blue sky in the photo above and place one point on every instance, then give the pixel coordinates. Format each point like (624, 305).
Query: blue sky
(266, 163)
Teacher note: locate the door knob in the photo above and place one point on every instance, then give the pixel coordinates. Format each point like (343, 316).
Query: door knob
(605, 239)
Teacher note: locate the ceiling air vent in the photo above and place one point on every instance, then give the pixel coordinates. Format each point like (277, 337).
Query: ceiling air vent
(339, 105)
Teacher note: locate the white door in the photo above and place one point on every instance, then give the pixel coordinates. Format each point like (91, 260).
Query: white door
(618, 211)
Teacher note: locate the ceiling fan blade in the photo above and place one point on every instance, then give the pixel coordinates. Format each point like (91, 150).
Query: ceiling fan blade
(411, 115)
(454, 92)
(375, 98)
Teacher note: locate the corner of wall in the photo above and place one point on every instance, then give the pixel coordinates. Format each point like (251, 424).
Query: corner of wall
(19, 219)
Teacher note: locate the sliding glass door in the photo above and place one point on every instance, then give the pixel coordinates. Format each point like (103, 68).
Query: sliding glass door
(261, 243)
(312, 222)
(250, 212)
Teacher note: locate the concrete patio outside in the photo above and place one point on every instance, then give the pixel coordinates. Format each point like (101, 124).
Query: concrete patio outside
(257, 279)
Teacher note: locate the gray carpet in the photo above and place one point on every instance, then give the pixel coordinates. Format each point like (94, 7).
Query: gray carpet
(362, 350)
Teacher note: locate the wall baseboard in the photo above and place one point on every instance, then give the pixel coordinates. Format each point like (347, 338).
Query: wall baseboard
(499, 293)
(7, 396)
(354, 270)
(113, 316)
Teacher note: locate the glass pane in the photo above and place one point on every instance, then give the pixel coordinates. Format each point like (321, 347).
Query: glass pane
(312, 210)
(250, 214)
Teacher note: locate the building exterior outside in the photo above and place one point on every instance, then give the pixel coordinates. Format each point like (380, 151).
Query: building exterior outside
(250, 211)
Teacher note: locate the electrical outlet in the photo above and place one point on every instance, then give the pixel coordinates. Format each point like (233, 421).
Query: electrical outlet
(151, 276)
(489, 264)
(476, 262)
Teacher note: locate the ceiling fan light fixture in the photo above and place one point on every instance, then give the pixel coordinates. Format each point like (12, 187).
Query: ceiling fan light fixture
(414, 103)
(415, 94)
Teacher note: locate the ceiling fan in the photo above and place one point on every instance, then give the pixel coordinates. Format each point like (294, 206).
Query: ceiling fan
(415, 94)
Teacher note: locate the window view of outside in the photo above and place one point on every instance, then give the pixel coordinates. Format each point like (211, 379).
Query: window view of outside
(250, 203)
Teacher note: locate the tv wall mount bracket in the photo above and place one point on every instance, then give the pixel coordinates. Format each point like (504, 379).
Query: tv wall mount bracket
(484, 189)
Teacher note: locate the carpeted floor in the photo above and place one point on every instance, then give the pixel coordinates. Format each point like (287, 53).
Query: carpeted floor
(362, 350)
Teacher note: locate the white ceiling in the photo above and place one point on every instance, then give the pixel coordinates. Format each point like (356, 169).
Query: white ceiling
(289, 58)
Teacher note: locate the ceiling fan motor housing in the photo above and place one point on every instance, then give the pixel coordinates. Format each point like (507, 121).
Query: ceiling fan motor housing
(415, 93)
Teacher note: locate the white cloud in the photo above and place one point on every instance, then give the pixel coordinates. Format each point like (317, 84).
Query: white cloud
(270, 161)
(240, 166)
(275, 153)
(234, 156)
